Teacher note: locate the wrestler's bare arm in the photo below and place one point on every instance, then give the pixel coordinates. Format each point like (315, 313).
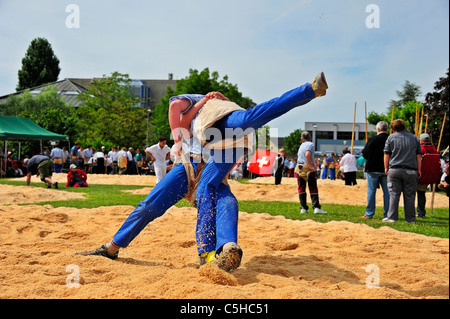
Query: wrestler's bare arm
(178, 121)
(175, 109)
(187, 118)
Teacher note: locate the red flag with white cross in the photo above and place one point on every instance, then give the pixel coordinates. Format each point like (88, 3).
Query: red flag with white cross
(262, 162)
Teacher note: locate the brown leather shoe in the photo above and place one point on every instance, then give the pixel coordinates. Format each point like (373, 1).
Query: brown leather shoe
(320, 85)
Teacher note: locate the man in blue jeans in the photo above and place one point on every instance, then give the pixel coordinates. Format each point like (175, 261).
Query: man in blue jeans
(374, 155)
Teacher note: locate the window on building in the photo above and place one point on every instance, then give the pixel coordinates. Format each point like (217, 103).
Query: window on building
(362, 136)
(344, 135)
(324, 135)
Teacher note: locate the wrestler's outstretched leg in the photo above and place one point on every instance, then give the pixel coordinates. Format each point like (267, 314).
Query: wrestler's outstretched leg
(217, 168)
(212, 176)
(228, 252)
(169, 191)
(265, 112)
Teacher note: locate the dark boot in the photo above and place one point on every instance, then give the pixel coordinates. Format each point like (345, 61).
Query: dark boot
(303, 205)
(315, 201)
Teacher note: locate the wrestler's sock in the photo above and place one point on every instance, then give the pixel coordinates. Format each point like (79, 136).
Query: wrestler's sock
(112, 247)
(207, 257)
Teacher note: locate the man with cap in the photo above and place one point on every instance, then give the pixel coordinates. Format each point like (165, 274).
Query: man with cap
(76, 177)
(430, 172)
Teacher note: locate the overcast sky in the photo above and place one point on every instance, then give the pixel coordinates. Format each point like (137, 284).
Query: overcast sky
(266, 47)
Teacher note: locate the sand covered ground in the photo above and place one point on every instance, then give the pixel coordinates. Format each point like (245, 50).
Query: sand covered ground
(282, 258)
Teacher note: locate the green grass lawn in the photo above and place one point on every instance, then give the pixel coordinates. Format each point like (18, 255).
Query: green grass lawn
(436, 225)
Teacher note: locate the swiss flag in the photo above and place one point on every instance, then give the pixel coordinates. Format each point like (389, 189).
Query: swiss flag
(262, 162)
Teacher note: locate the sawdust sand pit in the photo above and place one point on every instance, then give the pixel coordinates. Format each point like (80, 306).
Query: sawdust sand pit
(283, 259)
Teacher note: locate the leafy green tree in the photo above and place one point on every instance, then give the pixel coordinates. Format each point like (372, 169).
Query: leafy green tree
(196, 83)
(437, 105)
(110, 113)
(407, 113)
(374, 117)
(405, 107)
(410, 92)
(39, 66)
(292, 142)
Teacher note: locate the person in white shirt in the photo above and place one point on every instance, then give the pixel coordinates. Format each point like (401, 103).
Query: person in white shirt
(99, 161)
(349, 167)
(112, 159)
(236, 172)
(122, 160)
(159, 153)
(88, 153)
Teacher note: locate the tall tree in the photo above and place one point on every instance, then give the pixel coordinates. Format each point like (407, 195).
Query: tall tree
(436, 105)
(196, 83)
(111, 113)
(39, 66)
(410, 92)
(405, 107)
(292, 142)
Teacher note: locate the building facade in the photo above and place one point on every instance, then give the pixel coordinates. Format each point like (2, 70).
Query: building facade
(333, 137)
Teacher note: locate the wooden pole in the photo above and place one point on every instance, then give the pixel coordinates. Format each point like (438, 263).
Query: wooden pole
(439, 145)
(392, 115)
(416, 124)
(393, 109)
(353, 130)
(421, 122)
(365, 109)
(443, 154)
(426, 124)
(442, 130)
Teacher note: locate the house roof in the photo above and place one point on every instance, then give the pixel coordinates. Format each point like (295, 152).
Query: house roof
(66, 88)
(158, 88)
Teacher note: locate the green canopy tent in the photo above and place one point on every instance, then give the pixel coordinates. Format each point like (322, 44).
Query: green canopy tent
(14, 128)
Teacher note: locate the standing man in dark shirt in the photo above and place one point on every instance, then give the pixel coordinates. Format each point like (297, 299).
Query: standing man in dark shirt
(280, 166)
(374, 155)
(42, 166)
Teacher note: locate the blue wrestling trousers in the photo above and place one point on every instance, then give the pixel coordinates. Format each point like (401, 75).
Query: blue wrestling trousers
(217, 219)
(169, 191)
